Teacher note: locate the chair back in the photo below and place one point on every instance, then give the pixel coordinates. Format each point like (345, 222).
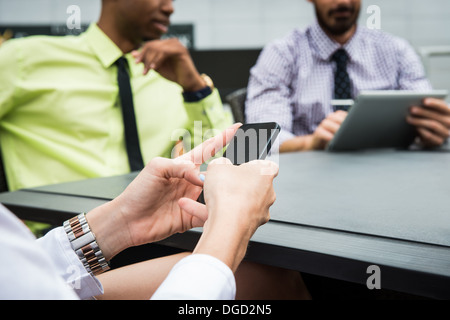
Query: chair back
(236, 100)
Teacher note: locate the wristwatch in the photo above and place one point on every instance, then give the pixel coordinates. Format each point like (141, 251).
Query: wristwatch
(85, 245)
(208, 80)
(202, 93)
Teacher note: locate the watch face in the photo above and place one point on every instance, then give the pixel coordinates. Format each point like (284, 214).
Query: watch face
(208, 81)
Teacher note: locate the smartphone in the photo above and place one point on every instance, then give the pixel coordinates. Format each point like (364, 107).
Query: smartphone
(251, 142)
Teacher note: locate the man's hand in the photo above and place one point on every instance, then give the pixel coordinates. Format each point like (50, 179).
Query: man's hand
(171, 59)
(432, 121)
(148, 210)
(321, 136)
(327, 129)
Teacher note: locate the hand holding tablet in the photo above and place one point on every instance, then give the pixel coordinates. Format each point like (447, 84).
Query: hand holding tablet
(432, 121)
(380, 119)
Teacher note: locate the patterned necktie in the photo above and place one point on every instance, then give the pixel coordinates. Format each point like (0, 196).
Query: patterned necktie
(342, 84)
(129, 118)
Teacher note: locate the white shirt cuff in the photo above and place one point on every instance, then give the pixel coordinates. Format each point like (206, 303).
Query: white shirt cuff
(69, 266)
(198, 277)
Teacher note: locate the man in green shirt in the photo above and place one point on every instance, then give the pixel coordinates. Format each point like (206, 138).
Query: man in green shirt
(60, 115)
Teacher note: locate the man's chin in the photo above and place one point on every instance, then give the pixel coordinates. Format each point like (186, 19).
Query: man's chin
(150, 36)
(339, 26)
(146, 39)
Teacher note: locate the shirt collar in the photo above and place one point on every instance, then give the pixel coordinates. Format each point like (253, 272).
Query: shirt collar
(325, 46)
(104, 48)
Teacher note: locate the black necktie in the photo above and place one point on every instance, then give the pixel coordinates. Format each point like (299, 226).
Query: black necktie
(129, 118)
(342, 84)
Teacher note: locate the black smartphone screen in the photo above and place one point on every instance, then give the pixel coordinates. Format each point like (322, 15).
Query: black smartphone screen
(251, 142)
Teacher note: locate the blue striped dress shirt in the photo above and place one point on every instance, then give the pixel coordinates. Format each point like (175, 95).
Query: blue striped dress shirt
(292, 82)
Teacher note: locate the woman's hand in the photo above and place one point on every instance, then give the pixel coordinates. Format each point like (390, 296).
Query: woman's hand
(148, 210)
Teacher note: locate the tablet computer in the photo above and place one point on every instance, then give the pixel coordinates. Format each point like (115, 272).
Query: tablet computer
(377, 119)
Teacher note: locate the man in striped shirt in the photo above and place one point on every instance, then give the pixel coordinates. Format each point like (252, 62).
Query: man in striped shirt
(293, 80)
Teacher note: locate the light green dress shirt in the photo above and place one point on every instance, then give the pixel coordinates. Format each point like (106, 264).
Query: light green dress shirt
(60, 119)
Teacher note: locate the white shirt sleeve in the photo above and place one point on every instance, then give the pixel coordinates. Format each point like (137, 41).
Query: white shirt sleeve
(68, 265)
(26, 271)
(42, 269)
(198, 277)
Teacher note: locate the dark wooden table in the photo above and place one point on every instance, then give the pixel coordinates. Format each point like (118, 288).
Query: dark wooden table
(336, 215)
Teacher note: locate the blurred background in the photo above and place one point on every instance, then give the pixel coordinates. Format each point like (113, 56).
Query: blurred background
(226, 36)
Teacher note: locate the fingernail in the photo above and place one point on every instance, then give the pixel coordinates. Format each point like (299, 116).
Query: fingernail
(202, 177)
